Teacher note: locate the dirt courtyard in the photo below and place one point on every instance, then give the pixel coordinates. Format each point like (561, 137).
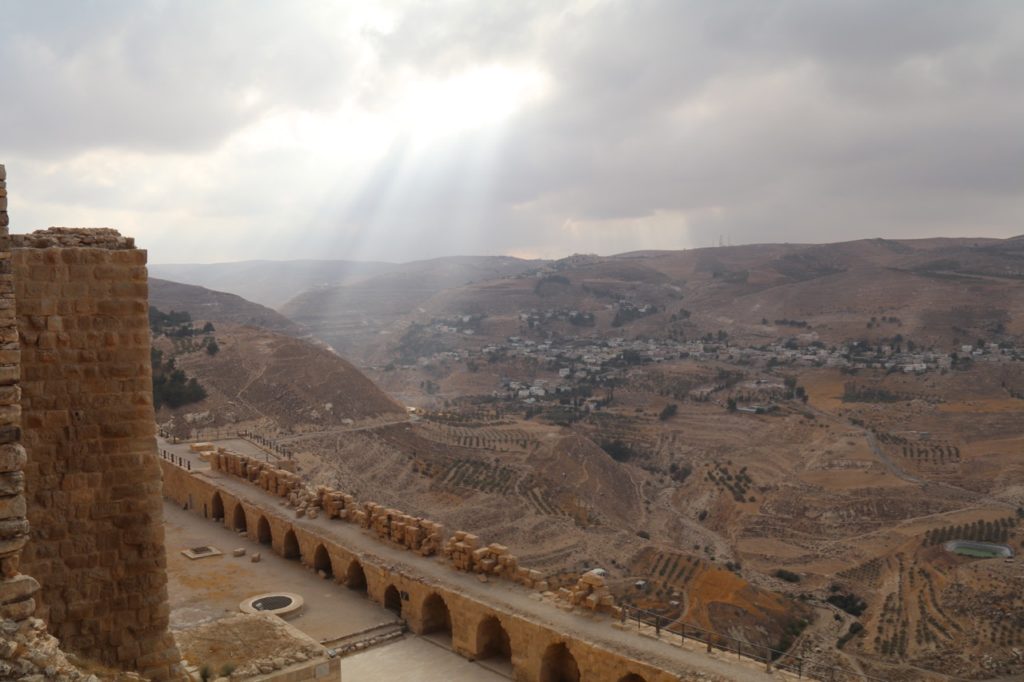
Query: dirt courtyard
(204, 590)
(201, 590)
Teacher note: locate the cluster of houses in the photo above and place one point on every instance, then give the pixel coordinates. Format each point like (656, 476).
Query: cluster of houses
(588, 360)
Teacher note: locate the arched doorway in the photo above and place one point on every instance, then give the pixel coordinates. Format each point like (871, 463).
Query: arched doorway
(559, 665)
(632, 677)
(217, 507)
(492, 640)
(291, 546)
(322, 562)
(393, 600)
(263, 534)
(238, 520)
(355, 578)
(436, 617)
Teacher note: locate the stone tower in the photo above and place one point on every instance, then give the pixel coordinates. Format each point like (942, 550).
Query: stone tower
(75, 375)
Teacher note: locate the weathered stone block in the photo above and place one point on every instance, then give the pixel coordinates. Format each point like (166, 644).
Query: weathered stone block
(12, 457)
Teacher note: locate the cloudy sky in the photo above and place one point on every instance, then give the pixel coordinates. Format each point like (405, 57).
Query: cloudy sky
(216, 131)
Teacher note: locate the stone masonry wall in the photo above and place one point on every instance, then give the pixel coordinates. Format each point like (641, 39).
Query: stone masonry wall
(16, 590)
(205, 492)
(92, 475)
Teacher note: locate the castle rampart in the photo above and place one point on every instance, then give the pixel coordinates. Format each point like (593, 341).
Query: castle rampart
(92, 478)
(430, 596)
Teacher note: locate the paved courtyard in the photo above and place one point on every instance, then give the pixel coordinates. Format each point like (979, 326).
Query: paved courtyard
(414, 659)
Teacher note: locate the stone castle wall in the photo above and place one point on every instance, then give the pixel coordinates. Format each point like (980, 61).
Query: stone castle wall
(16, 589)
(259, 513)
(92, 479)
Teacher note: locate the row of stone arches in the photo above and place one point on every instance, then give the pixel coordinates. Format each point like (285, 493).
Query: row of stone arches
(492, 638)
(354, 576)
(559, 665)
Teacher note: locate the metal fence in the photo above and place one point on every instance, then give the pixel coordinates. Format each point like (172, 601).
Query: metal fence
(176, 460)
(773, 659)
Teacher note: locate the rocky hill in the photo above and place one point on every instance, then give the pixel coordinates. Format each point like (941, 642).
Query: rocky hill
(217, 307)
(260, 376)
(937, 292)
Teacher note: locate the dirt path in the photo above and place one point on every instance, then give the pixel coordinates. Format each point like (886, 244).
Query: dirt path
(341, 429)
(887, 462)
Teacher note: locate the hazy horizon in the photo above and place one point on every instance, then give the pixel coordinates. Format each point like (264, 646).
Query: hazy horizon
(567, 255)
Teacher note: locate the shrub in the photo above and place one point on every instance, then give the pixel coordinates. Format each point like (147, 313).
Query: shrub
(618, 450)
(850, 603)
(788, 576)
(855, 629)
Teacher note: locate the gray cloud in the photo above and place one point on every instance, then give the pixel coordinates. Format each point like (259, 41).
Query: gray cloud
(158, 76)
(664, 123)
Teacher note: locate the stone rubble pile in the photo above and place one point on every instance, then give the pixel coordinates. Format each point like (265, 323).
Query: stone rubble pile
(590, 591)
(272, 479)
(464, 551)
(268, 664)
(70, 237)
(27, 652)
(414, 533)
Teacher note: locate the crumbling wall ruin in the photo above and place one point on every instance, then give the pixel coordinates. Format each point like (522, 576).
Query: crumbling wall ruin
(16, 589)
(92, 479)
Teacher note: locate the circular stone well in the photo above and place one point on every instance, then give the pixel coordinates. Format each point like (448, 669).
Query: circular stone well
(283, 604)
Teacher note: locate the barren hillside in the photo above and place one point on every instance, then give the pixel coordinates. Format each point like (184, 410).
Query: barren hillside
(217, 307)
(259, 375)
(931, 286)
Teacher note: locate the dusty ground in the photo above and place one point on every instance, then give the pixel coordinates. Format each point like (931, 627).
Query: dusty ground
(201, 590)
(205, 590)
(414, 659)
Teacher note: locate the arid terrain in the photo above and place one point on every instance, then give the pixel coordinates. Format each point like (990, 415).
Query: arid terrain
(775, 442)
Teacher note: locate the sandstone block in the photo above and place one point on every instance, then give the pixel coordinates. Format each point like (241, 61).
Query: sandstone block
(12, 457)
(255, 557)
(18, 610)
(17, 588)
(12, 483)
(12, 507)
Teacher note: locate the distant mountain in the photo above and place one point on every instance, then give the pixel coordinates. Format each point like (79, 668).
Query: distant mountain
(269, 282)
(351, 316)
(938, 292)
(217, 307)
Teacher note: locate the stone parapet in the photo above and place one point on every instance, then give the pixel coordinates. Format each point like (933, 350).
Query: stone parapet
(73, 237)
